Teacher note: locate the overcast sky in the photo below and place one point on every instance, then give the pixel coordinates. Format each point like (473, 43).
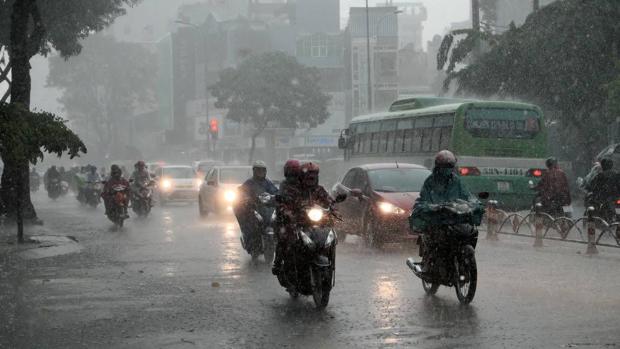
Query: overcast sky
(440, 12)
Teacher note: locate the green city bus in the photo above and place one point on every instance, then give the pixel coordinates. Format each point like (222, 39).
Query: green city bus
(500, 146)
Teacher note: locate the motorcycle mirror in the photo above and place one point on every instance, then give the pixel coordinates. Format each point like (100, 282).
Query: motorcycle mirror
(341, 197)
(483, 195)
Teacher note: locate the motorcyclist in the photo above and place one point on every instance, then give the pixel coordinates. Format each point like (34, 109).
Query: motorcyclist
(290, 188)
(604, 189)
(292, 197)
(51, 174)
(116, 178)
(442, 186)
(553, 189)
(248, 192)
(138, 178)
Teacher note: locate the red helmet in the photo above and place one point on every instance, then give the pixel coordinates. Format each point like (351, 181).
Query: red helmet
(292, 168)
(310, 174)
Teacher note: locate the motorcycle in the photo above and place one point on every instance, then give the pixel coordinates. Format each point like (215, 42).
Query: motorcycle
(54, 188)
(118, 205)
(92, 194)
(264, 244)
(452, 248)
(142, 198)
(309, 266)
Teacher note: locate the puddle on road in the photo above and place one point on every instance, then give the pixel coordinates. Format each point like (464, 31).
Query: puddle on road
(51, 246)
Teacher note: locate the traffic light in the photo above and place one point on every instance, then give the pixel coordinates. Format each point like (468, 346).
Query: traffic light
(214, 128)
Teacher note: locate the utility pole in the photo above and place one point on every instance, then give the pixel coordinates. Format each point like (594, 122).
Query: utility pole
(369, 104)
(475, 15)
(536, 5)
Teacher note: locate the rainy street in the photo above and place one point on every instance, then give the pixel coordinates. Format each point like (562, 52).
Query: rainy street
(174, 281)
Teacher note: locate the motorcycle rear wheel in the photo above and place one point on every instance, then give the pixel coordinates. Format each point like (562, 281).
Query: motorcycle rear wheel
(465, 275)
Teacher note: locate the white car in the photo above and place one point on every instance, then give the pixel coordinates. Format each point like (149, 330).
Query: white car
(218, 192)
(177, 183)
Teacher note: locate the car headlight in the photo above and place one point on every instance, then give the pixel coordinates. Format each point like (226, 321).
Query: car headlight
(166, 184)
(389, 208)
(315, 214)
(198, 182)
(230, 196)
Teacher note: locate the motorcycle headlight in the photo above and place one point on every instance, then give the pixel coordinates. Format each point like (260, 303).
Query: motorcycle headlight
(388, 208)
(330, 238)
(166, 184)
(306, 239)
(230, 196)
(315, 214)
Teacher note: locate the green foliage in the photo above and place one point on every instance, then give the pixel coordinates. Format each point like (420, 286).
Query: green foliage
(104, 84)
(562, 58)
(272, 88)
(65, 22)
(26, 135)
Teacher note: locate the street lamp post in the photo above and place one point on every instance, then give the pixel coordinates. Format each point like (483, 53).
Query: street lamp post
(196, 28)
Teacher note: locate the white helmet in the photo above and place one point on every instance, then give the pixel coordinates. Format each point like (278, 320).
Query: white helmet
(259, 164)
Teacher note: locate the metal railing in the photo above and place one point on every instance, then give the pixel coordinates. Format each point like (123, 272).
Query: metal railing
(590, 229)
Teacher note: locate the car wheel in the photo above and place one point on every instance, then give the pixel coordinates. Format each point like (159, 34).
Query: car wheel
(371, 233)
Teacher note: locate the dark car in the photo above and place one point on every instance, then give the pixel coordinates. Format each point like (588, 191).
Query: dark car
(379, 201)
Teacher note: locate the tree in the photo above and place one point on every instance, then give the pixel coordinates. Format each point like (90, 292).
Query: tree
(271, 89)
(562, 58)
(25, 135)
(103, 86)
(31, 27)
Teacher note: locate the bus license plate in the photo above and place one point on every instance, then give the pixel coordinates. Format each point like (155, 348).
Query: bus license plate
(503, 186)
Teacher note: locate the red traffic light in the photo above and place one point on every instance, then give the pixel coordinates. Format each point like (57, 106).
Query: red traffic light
(214, 126)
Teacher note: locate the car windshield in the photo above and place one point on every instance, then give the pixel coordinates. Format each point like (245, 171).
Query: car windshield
(398, 180)
(179, 172)
(234, 175)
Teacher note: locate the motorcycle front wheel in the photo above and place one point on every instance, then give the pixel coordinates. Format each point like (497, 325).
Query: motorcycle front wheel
(430, 287)
(269, 248)
(465, 275)
(321, 286)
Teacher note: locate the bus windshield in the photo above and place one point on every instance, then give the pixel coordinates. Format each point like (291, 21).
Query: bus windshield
(398, 180)
(502, 123)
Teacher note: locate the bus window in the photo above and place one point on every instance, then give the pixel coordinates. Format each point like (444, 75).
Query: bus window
(374, 142)
(412, 143)
(446, 138)
(399, 142)
(502, 123)
(427, 138)
(424, 134)
(436, 139)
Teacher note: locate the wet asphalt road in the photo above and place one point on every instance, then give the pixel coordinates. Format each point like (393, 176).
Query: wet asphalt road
(174, 281)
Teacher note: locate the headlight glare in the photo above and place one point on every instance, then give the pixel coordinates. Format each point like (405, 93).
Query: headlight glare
(389, 208)
(315, 214)
(230, 196)
(166, 184)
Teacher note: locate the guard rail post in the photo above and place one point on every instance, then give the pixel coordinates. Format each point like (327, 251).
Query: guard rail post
(539, 225)
(591, 249)
(492, 220)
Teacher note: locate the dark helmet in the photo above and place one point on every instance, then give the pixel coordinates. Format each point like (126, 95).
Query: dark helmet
(310, 174)
(445, 159)
(551, 162)
(140, 165)
(292, 168)
(607, 164)
(115, 171)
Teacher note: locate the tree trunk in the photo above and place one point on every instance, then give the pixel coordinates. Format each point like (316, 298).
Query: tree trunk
(15, 178)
